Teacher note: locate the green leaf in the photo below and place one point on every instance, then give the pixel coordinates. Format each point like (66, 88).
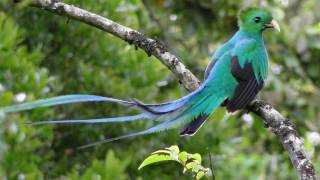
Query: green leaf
(191, 165)
(174, 148)
(154, 159)
(196, 157)
(183, 157)
(200, 174)
(317, 26)
(161, 152)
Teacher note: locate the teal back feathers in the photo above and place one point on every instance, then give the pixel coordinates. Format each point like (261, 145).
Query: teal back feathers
(233, 78)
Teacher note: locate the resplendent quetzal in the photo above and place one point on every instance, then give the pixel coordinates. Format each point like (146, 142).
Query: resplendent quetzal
(233, 78)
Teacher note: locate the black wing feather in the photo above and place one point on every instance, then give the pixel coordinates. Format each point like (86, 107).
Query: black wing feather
(191, 128)
(247, 88)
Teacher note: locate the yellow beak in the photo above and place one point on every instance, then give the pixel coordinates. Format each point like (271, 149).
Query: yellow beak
(274, 25)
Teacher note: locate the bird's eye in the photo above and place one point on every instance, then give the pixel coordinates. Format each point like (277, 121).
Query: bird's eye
(257, 19)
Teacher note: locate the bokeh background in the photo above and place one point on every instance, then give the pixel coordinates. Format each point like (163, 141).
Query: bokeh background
(44, 55)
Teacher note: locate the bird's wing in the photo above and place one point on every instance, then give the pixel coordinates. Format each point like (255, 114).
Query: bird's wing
(246, 65)
(247, 88)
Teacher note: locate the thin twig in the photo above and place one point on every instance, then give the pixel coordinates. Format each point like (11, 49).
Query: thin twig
(211, 166)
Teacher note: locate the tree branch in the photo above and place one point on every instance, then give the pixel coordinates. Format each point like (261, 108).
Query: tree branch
(150, 46)
(280, 126)
(287, 135)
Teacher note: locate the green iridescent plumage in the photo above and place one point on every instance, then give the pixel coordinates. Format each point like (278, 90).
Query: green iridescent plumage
(233, 78)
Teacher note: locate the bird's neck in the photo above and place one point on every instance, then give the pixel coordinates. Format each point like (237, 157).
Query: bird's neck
(250, 34)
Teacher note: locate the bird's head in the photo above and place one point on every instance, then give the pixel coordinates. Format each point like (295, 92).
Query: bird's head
(256, 20)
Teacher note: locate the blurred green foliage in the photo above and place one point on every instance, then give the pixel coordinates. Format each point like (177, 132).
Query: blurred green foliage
(44, 55)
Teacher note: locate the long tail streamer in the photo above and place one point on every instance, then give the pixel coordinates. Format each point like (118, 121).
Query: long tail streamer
(172, 114)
